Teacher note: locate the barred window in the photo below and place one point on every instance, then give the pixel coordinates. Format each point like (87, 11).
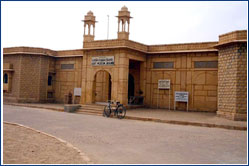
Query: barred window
(163, 65)
(49, 80)
(5, 78)
(67, 66)
(206, 64)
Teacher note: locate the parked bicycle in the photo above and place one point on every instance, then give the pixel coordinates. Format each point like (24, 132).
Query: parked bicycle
(119, 110)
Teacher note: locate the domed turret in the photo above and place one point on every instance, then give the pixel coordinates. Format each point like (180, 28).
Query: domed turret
(124, 8)
(124, 18)
(90, 13)
(89, 26)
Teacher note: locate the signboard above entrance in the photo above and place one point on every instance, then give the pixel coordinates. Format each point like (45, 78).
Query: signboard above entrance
(103, 61)
(163, 84)
(181, 96)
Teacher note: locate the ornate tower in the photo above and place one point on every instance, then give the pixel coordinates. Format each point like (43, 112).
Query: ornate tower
(89, 27)
(124, 19)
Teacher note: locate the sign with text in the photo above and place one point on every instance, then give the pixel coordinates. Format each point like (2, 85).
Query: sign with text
(163, 84)
(181, 96)
(77, 91)
(103, 61)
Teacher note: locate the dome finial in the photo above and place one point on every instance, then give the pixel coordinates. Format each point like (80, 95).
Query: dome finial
(124, 8)
(90, 13)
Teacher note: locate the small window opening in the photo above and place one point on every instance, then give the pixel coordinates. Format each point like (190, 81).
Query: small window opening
(5, 78)
(49, 80)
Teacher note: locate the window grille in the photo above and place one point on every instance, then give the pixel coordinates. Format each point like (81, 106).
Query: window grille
(206, 64)
(163, 65)
(67, 66)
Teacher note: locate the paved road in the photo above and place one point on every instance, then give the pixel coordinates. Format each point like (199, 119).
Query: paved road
(114, 141)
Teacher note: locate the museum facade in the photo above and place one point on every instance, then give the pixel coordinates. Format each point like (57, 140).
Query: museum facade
(207, 76)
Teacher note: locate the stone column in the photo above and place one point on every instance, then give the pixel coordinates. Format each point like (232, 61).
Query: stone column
(123, 69)
(143, 78)
(84, 78)
(84, 29)
(93, 30)
(128, 26)
(118, 25)
(89, 29)
(232, 75)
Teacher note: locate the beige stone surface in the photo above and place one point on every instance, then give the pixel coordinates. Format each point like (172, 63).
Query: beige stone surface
(232, 80)
(198, 82)
(25, 146)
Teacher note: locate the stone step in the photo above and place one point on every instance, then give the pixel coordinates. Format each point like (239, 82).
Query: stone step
(90, 113)
(128, 107)
(90, 110)
(101, 107)
(92, 107)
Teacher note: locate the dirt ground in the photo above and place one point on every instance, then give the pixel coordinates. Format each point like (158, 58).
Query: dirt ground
(25, 146)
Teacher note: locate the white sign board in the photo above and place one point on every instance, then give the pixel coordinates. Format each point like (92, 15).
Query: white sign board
(181, 96)
(163, 84)
(77, 91)
(102, 60)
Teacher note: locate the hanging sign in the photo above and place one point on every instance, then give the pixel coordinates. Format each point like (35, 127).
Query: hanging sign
(103, 61)
(77, 91)
(163, 84)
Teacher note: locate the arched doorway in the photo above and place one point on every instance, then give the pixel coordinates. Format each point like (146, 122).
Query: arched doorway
(102, 87)
(131, 86)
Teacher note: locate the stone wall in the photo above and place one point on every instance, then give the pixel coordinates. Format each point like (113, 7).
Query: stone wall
(29, 50)
(232, 81)
(182, 47)
(118, 72)
(232, 76)
(234, 36)
(149, 48)
(201, 83)
(15, 60)
(34, 78)
(29, 77)
(67, 79)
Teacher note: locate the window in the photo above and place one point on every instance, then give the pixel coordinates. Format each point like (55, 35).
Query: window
(67, 66)
(49, 80)
(163, 65)
(5, 78)
(206, 64)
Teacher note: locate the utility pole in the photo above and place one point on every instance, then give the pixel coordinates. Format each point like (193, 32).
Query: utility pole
(108, 27)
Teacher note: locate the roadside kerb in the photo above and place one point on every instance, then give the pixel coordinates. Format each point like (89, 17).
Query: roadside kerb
(188, 123)
(33, 106)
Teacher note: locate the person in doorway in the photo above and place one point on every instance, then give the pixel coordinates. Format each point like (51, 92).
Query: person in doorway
(70, 97)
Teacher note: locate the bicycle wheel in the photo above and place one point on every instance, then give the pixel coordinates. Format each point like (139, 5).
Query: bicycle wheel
(121, 111)
(107, 111)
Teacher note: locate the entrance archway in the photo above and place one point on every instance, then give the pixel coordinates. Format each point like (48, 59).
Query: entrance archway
(102, 87)
(131, 86)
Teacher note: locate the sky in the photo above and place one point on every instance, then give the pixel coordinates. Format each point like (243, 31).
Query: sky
(58, 25)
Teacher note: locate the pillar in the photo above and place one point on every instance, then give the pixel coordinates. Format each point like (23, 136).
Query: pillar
(232, 75)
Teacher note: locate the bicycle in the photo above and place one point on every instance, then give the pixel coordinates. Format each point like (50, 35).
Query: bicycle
(119, 110)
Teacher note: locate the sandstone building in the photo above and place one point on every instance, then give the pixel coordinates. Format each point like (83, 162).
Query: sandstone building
(213, 73)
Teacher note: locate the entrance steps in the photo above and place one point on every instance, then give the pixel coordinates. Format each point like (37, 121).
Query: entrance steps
(91, 109)
(129, 107)
(98, 108)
